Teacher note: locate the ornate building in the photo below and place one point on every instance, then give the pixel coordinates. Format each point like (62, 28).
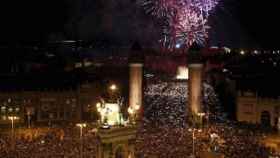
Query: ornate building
(257, 110)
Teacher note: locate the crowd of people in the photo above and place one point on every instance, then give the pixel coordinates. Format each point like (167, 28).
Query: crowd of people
(166, 102)
(48, 143)
(230, 141)
(163, 133)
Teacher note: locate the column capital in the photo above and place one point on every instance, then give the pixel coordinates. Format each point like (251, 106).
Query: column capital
(136, 64)
(195, 65)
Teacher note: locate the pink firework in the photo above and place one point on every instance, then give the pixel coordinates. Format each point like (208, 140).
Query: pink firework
(206, 6)
(160, 8)
(185, 29)
(187, 19)
(192, 27)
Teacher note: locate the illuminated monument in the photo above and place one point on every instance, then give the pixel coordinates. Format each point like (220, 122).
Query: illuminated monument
(110, 114)
(135, 88)
(116, 138)
(195, 66)
(118, 141)
(135, 81)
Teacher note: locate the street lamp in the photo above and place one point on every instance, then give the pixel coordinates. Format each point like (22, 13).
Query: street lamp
(13, 118)
(29, 112)
(81, 125)
(193, 139)
(113, 87)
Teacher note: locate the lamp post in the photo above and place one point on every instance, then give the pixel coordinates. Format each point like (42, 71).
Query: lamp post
(114, 92)
(13, 118)
(29, 119)
(113, 87)
(29, 113)
(193, 139)
(81, 126)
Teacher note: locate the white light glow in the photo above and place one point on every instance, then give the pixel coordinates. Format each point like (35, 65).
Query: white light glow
(130, 110)
(182, 73)
(227, 50)
(113, 87)
(137, 107)
(110, 113)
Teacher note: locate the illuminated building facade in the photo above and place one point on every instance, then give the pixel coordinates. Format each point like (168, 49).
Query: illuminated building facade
(51, 105)
(257, 110)
(40, 106)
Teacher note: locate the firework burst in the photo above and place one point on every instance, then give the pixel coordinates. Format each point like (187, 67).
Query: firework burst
(160, 8)
(191, 27)
(186, 20)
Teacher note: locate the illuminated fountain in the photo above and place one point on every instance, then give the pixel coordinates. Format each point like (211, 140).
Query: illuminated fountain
(110, 114)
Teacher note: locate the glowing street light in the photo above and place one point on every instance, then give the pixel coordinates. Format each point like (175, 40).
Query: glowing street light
(13, 118)
(193, 139)
(81, 126)
(113, 87)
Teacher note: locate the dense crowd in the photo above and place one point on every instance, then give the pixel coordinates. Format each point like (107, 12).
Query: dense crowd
(163, 133)
(230, 141)
(48, 143)
(165, 103)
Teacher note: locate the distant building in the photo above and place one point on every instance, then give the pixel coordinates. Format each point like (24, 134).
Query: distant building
(51, 105)
(257, 110)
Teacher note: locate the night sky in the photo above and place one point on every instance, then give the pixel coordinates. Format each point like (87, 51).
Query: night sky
(238, 23)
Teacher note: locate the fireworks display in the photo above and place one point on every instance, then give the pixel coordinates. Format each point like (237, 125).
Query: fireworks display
(185, 20)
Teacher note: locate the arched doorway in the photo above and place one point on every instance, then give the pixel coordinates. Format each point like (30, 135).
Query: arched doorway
(265, 119)
(120, 152)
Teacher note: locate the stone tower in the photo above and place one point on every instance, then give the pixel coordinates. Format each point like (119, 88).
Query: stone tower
(195, 80)
(136, 80)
